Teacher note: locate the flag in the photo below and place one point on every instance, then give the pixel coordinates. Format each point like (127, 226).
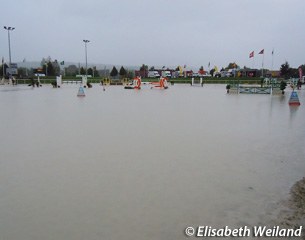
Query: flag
(23, 60)
(62, 63)
(209, 64)
(272, 51)
(261, 52)
(251, 54)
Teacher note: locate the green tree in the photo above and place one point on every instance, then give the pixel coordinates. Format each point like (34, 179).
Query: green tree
(95, 72)
(114, 72)
(45, 61)
(294, 72)
(143, 71)
(56, 68)
(3, 67)
(122, 72)
(303, 68)
(143, 67)
(232, 66)
(212, 71)
(82, 71)
(285, 70)
(50, 68)
(23, 72)
(90, 71)
(130, 74)
(71, 70)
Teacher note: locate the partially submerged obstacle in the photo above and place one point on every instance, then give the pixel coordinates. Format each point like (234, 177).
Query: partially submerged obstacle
(294, 99)
(254, 90)
(106, 81)
(162, 84)
(136, 84)
(81, 92)
(272, 86)
(249, 90)
(196, 83)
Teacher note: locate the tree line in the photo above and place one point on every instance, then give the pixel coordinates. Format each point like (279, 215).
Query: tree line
(53, 68)
(122, 73)
(288, 72)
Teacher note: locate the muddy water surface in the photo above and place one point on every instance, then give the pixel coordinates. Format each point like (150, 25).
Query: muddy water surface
(124, 164)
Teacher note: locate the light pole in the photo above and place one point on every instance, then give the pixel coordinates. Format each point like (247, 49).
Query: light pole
(86, 41)
(9, 44)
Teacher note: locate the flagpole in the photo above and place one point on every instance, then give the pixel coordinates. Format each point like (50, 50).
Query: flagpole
(252, 56)
(263, 64)
(272, 59)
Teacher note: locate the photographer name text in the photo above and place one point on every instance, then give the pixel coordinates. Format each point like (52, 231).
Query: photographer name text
(245, 231)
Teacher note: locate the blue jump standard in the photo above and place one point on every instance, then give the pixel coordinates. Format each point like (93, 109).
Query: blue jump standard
(81, 92)
(294, 99)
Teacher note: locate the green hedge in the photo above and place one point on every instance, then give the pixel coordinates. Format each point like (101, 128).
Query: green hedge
(231, 80)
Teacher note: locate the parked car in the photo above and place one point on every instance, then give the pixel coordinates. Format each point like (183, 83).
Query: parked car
(153, 74)
(166, 74)
(226, 74)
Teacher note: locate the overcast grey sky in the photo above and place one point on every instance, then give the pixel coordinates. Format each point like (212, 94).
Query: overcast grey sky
(156, 32)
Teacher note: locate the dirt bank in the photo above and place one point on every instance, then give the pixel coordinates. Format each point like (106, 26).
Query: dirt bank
(294, 214)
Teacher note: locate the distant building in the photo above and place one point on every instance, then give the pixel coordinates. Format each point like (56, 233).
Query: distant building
(274, 74)
(248, 73)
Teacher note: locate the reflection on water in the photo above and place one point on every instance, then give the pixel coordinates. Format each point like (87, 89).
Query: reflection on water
(293, 111)
(125, 164)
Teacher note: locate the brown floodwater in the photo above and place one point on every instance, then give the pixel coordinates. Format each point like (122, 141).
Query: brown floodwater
(127, 164)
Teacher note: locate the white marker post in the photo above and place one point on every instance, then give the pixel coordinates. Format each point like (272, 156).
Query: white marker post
(59, 81)
(84, 80)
